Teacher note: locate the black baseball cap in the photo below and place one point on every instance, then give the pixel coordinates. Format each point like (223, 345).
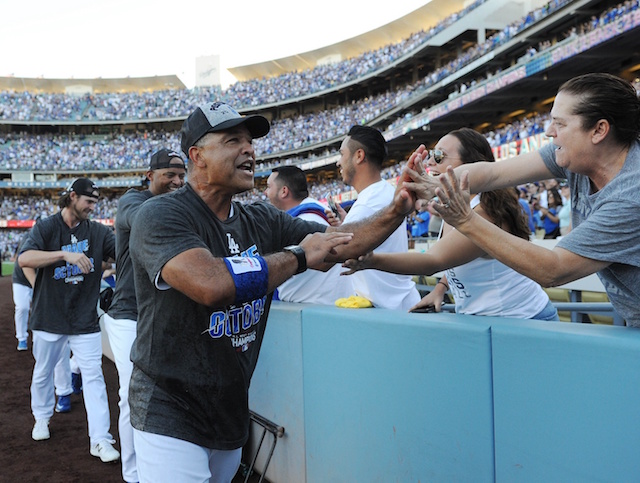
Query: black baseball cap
(86, 187)
(218, 116)
(166, 158)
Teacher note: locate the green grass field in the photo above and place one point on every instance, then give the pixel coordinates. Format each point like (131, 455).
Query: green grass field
(7, 269)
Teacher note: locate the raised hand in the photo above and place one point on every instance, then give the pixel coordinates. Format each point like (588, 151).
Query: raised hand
(453, 198)
(335, 218)
(416, 178)
(405, 199)
(418, 156)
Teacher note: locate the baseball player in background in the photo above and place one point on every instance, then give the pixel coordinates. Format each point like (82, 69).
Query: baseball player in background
(22, 285)
(67, 250)
(166, 173)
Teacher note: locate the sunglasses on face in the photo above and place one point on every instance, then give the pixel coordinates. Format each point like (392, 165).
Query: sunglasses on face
(437, 155)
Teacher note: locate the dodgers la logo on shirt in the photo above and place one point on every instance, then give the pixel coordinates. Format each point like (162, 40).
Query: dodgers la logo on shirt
(234, 248)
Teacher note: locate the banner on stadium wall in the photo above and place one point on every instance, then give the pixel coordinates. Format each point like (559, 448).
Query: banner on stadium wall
(440, 110)
(597, 36)
(104, 221)
(514, 148)
(16, 223)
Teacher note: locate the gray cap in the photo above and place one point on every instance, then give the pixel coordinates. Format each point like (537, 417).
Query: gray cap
(218, 116)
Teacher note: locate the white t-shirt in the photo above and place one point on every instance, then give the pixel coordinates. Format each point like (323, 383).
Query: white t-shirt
(310, 286)
(384, 290)
(485, 286)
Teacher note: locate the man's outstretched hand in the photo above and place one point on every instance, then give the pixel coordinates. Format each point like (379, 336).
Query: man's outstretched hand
(406, 196)
(318, 246)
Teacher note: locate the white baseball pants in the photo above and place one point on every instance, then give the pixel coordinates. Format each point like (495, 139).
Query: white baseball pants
(122, 334)
(162, 458)
(87, 350)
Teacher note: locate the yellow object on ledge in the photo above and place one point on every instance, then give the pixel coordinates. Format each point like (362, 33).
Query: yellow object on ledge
(354, 302)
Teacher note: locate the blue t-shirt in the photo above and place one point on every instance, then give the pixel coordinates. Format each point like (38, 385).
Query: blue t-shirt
(549, 225)
(527, 209)
(422, 224)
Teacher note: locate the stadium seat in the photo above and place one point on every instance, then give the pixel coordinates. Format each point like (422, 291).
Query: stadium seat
(560, 295)
(597, 318)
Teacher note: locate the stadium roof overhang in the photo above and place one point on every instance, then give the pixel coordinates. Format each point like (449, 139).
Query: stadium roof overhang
(422, 18)
(96, 86)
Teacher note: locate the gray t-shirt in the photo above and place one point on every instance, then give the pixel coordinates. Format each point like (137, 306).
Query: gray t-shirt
(123, 305)
(605, 227)
(193, 363)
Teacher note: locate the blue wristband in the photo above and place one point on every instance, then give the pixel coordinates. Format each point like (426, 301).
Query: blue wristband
(250, 276)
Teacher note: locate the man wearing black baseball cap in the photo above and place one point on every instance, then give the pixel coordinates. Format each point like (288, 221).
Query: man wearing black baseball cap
(67, 250)
(216, 117)
(205, 269)
(166, 158)
(166, 173)
(83, 186)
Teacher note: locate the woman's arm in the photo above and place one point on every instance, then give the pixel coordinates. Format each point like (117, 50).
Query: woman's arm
(483, 176)
(452, 250)
(435, 298)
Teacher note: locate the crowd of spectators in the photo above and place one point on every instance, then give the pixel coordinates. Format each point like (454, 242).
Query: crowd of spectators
(121, 151)
(251, 93)
(549, 201)
(131, 151)
(171, 103)
(78, 152)
(26, 207)
(519, 129)
(255, 92)
(29, 207)
(9, 240)
(606, 17)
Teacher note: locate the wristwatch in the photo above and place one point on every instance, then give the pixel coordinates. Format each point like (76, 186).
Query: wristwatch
(298, 251)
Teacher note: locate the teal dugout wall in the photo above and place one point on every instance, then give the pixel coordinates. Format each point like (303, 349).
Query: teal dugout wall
(566, 402)
(373, 395)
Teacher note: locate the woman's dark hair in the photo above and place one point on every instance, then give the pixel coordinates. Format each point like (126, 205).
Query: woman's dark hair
(605, 96)
(501, 205)
(555, 194)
